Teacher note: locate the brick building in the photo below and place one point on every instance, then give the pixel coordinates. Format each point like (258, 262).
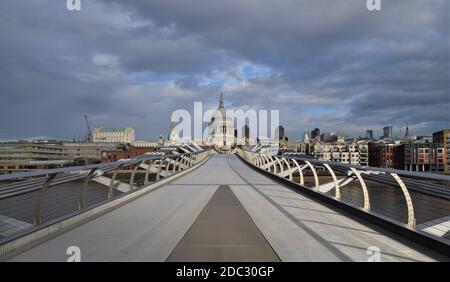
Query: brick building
(125, 151)
(382, 154)
(443, 137)
(425, 157)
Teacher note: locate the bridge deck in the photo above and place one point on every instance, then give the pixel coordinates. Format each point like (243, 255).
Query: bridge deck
(284, 224)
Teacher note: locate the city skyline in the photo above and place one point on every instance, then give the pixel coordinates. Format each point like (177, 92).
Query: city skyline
(82, 137)
(135, 63)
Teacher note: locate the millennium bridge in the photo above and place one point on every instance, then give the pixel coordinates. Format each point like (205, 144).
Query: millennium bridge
(206, 206)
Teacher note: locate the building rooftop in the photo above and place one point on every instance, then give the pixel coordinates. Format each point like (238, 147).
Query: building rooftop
(104, 129)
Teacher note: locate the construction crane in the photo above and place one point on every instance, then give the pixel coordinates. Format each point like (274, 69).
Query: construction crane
(89, 132)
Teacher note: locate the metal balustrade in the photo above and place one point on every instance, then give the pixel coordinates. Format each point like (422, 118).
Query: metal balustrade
(24, 196)
(432, 185)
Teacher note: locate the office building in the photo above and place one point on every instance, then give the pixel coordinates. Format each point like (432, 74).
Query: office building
(113, 135)
(424, 157)
(384, 154)
(387, 132)
(347, 152)
(315, 134)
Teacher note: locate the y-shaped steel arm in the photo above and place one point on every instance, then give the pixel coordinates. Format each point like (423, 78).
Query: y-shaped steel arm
(337, 194)
(266, 163)
(316, 178)
(288, 166)
(409, 204)
(364, 188)
(302, 180)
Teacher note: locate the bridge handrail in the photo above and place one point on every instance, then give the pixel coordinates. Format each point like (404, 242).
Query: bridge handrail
(416, 174)
(361, 173)
(41, 180)
(44, 172)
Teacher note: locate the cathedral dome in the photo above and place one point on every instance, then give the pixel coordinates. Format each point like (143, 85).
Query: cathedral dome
(221, 127)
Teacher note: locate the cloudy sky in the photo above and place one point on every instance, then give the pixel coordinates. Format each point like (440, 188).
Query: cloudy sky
(322, 63)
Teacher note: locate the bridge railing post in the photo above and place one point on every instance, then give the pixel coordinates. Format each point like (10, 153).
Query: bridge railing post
(289, 168)
(259, 164)
(133, 173)
(266, 163)
(168, 162)
(185, 162)
(277, 162)
(252, 159)
(158, 173)
(112, 182)
(81, 203)
(271, 164)
(182, 163)
(147, 172)
(175, 164)
(40, 200)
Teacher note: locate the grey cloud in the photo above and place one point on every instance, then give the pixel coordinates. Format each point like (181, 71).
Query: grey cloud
(366, 69)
